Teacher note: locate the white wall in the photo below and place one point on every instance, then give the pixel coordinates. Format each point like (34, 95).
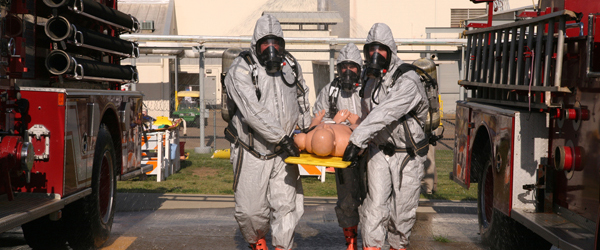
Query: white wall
(406, 18)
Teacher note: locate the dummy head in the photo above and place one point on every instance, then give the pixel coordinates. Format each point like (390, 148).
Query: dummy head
(323, 141)
(300, 140)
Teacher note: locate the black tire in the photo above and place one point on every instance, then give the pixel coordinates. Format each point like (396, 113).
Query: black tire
(196, 122)
(91, 218)
(497, 230)
(43, 233)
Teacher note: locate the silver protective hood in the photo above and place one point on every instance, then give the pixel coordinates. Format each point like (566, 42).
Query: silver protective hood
(382, 33)
(350, 53)
(266, 25)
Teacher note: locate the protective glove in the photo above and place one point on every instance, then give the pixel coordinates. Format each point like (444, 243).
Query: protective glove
(287, 143)
(351, 152)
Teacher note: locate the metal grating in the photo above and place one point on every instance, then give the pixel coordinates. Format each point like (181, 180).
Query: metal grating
(555, 229)
(457, 16)
(517, 64)
(147, 25)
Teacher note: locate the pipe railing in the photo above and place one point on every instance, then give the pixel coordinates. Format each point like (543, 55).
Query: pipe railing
(200, 51)
(289, 40)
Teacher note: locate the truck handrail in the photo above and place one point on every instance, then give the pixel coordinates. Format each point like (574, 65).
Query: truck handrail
(500, 64)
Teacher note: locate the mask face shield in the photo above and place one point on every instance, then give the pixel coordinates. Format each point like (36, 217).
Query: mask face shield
(349, 74)
(270, 51)
(378, 57)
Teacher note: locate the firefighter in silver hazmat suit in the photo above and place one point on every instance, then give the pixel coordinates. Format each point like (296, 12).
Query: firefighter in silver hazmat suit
(343, 93)
(394, 171)
(269, 192)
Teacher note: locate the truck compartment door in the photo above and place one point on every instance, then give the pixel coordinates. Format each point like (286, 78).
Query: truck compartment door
(461, 167)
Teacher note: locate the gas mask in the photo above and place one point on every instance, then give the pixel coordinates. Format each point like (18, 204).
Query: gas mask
(348, 78)
(377, 64)
(270, 52)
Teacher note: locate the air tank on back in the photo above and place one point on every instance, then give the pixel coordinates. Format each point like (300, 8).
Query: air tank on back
(227, 105)
(429, 66)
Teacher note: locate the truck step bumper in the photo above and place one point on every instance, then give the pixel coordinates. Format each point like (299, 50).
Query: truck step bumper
(30, 206)
(556, 229)
(25, 208)
(143, 170)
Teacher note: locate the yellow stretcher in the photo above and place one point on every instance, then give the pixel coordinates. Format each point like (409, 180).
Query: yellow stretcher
(310, 159)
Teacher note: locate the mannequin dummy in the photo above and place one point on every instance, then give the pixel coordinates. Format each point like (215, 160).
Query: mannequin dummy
(328, 138)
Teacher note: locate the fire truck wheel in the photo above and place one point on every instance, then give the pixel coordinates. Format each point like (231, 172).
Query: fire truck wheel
(43, 233)
(497, 230)
(91, 219)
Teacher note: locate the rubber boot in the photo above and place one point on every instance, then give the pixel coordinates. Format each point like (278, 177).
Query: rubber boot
(260, 245)
(371, 248)
(351, 234)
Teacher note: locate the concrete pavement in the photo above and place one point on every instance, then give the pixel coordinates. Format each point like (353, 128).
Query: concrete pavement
(189, 221)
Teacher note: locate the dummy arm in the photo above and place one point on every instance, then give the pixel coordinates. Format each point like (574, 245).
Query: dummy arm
(318, 118)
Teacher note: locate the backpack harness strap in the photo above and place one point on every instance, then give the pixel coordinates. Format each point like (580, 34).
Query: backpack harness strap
(415, 148)
(231, 136)
(334, 93)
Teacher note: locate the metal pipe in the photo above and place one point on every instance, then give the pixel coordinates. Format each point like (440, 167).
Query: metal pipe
(530, 38)
(537, 66)
(548, 53)
(484, 56)
(511, 58)
(331, 63)
(215, 128)
(498, 70)
(590, 46)
(504, 78)
(187, 52)
(491, 61)
(60, 29)
(134, 84)
(175, 78)
(466, 62)
(202, 148)
(479, 40)
(560, 51)
(59, 62)
(520, 55)
(288, 40)
(462, 73)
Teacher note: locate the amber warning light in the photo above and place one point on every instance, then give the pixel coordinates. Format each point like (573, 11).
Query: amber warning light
(61, 99)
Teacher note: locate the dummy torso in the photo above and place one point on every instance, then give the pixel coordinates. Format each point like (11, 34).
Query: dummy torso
(328, 138)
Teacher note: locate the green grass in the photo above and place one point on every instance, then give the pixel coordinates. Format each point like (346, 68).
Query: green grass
(201, 174)
(448, 189)
(442, 239)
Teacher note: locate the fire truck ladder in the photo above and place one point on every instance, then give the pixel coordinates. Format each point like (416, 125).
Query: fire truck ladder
(517, 64)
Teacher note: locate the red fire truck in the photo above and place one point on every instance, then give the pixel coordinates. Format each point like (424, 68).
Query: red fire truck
(67, 132)
(529, 131)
